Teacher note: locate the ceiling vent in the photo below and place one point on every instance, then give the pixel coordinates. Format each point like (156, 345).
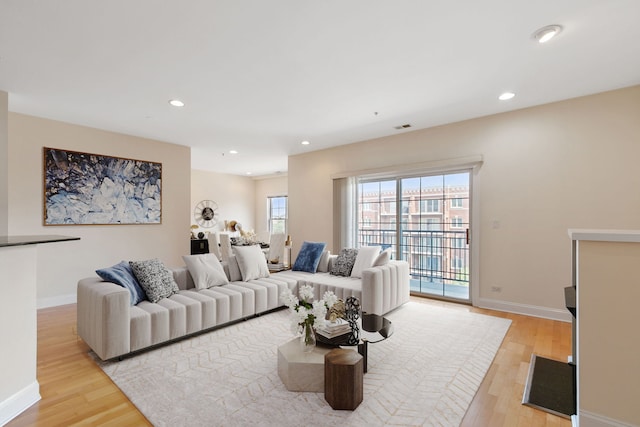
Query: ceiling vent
(404, 126)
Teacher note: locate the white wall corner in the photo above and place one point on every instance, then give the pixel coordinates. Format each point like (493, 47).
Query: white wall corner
(589, 419)
(56, 301)
(19, 402)
(528, 310)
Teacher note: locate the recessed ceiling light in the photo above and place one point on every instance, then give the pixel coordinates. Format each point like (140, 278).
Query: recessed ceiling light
(176, 103)
(233, 152)
(305, 143)
(506, 96)
(545, 34)
(404, 126)
(248, 173)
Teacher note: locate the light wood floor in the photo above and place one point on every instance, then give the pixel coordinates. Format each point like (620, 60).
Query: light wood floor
(76, 392)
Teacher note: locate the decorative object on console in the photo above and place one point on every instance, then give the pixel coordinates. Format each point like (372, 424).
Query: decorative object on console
(307, 314)
(309, 256)
(206, 213)
(83, 188)
(343, 265)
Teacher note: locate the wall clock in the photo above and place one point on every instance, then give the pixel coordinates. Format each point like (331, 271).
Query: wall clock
(206, 213)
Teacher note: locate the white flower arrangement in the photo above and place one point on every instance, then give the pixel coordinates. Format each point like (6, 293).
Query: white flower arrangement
(305, 311)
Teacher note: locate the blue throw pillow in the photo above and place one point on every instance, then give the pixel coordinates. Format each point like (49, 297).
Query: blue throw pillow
(122, 274)
(309, 257)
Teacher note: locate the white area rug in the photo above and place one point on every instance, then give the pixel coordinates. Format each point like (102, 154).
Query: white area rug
(427, 373)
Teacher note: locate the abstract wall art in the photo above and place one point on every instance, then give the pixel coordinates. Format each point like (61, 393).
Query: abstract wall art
(84, 188)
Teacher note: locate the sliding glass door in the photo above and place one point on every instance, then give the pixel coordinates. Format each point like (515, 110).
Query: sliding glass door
(425, 220)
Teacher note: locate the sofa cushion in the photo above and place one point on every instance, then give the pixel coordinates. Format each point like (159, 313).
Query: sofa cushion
(156, 280)
(383, 258)
(323, 265)
(122, 274)
(309, 257)
(205, 270)
(364, 259)
(232, 269)
(252, 262)
(343, 264)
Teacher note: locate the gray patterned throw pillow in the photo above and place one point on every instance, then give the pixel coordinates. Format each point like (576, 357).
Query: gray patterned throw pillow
(156, 280)
(344, 263)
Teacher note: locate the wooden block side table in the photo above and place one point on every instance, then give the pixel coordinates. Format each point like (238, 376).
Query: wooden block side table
(343, 377)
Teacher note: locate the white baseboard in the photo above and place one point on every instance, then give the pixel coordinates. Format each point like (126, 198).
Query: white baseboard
(529, 310)
(19, 402)
(56, 301)
(589, 419)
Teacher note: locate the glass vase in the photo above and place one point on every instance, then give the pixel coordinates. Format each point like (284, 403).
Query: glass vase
(308, 338)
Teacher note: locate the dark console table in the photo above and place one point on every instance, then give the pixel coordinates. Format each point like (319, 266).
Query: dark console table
(199, 246)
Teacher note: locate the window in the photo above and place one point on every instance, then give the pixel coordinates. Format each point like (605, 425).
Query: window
(456, 203)
(430, 205)
(426, 229)
(277, 212)
(458, 243)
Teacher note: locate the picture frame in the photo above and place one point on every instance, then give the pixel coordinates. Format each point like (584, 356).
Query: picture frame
(95, 189)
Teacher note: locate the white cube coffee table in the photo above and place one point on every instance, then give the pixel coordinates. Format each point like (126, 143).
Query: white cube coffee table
(301, 371)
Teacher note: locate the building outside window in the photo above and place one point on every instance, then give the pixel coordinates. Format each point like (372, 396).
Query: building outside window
(277, 211)
(430, 205)
(428, 230)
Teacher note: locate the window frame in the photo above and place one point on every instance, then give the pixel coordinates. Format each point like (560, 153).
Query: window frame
(271, 219)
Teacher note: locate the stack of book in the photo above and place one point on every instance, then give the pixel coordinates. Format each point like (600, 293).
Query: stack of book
(276, 267)
(335, 329)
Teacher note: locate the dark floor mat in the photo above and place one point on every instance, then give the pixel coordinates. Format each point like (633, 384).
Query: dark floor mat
(550, 386)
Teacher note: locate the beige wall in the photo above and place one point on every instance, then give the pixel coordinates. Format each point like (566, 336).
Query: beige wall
(608, 344)
(61, 265)
(4, 163)
(18, 384)
(267, 187)
(234, 195)
(571, 164)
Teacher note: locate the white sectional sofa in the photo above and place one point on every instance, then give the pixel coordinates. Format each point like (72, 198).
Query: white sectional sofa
(380, 290)
(112, 327)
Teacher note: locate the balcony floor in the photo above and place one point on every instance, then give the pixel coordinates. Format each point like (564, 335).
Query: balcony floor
(438, 288)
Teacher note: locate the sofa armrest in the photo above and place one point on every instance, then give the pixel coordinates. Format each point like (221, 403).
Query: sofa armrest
(103, 317)
(385, 287)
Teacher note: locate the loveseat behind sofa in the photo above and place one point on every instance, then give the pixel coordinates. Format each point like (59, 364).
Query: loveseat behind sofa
(112, 327)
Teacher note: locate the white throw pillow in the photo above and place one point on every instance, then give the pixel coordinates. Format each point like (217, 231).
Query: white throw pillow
(252, 262)
(383, 258)
(365, 258)
(205, 270)
(323, 265)
(234, 270)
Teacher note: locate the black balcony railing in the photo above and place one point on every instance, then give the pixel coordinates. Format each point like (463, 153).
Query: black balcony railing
(433, 255)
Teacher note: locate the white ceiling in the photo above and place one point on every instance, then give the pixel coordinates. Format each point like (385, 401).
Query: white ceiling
(260, 76)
